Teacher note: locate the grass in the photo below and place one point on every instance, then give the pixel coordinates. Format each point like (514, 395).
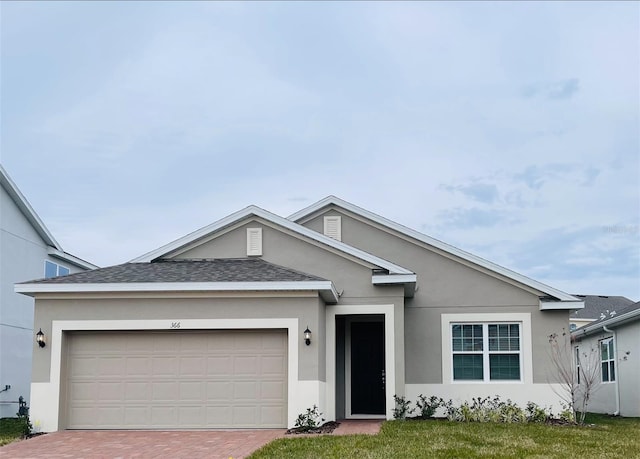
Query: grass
(607, 438)
(10, 430)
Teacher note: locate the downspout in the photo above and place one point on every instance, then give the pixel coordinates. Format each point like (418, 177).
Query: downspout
(617, 369)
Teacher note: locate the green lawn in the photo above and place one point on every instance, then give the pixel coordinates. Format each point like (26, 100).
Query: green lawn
(609, 438)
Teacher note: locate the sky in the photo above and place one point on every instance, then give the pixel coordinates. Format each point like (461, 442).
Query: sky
(510, 130)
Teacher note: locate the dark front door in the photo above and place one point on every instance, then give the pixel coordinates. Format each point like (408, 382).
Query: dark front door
(367, 368)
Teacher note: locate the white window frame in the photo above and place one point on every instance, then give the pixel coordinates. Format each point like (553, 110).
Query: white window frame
(486, 352)
(526, 349)
(610, 361)
(58, 266)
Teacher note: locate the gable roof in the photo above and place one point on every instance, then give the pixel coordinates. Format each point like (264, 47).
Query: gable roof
(26, 209)
(229, 274)
(624, 316)
(546, 303)
(597, 305)
(250, 211)
(54, 248)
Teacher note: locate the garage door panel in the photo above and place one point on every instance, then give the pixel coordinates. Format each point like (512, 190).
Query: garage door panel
(193, 366)
(219, 365)
(138, 366)
(165, 366)
(136, 392)
(182, 379)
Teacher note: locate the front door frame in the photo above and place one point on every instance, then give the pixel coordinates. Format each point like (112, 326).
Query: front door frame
(347, 360)
(389, 351)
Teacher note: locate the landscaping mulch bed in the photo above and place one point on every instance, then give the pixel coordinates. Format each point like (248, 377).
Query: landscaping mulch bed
(325, 428)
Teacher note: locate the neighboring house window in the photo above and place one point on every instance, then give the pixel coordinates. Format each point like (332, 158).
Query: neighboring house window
(52, 269)
(486, 352)
(607, 360)
(578, 364)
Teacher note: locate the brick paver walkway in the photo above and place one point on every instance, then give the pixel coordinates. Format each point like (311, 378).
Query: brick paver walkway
(142, 444)
(210, 444)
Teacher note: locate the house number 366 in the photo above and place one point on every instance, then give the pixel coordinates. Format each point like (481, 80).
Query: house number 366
(175, 324)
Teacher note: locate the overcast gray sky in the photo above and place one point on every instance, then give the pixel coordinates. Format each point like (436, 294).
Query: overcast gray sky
(510, 130)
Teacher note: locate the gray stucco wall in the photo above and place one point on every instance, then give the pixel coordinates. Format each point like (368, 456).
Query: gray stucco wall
(309, 310)
(446, 285)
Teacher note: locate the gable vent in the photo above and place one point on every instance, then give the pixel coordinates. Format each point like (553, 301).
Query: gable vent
(254, 242)
(333, 227)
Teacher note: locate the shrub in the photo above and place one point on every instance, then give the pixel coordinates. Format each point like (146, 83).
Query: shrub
(309, 420)
(401, 411)
(536, 414)
(428, 406)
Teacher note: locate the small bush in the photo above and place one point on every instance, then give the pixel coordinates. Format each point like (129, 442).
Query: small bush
(536, 414)
(309, 420)
(428, 406)
(401, 411)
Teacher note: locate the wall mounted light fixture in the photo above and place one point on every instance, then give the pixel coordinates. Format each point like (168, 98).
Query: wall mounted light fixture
(40, 339)
(307, 336)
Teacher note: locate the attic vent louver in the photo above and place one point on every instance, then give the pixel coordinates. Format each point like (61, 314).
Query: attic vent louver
(333, 227)
(254, 242)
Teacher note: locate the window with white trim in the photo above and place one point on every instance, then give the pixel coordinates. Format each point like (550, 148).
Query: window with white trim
(607, 360)
(52, 269)
(577, 364)
(486, 352)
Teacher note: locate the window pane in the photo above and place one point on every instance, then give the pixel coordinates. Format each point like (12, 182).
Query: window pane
(50, 269)
(467, 331)
(514, 330)
(493, 330)
(457, 344)
(605, 372)
(604, 350)
(503, 330)
(477, 344)
(456, 331)
(610, 349)
(493, 343)
(477, 331)
(612, 371)
(467, 367)
(515, 344)
(62, 271)
(504, 366)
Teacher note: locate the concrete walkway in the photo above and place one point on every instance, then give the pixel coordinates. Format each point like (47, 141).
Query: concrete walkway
(211, 444)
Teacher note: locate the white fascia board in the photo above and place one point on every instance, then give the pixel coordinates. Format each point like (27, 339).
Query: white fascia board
(275, 219)
(393, 279)
(333, 200)
(612, 322)
(24, 206)
(325, 287)
(557, 305)
(71, 259)
(408, 280)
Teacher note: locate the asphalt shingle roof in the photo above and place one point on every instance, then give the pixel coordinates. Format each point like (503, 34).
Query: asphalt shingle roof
(618, 312)
(206, 270)
(596, 305)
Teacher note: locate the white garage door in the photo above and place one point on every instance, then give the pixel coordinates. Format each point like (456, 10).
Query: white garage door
(176, 379)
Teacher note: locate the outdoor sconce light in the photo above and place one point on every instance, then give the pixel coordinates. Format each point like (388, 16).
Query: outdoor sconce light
(307, 336)
(40, 339)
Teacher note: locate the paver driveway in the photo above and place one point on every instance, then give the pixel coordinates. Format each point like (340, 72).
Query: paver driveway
(142, 444)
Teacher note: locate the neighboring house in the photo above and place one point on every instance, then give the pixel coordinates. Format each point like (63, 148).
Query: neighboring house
(616, 341)
(596, 307)
(27, 251)
(209, 331)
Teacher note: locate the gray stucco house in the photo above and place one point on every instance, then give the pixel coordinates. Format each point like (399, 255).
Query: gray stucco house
(210, 330)
(27, 251)
(616, 339)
